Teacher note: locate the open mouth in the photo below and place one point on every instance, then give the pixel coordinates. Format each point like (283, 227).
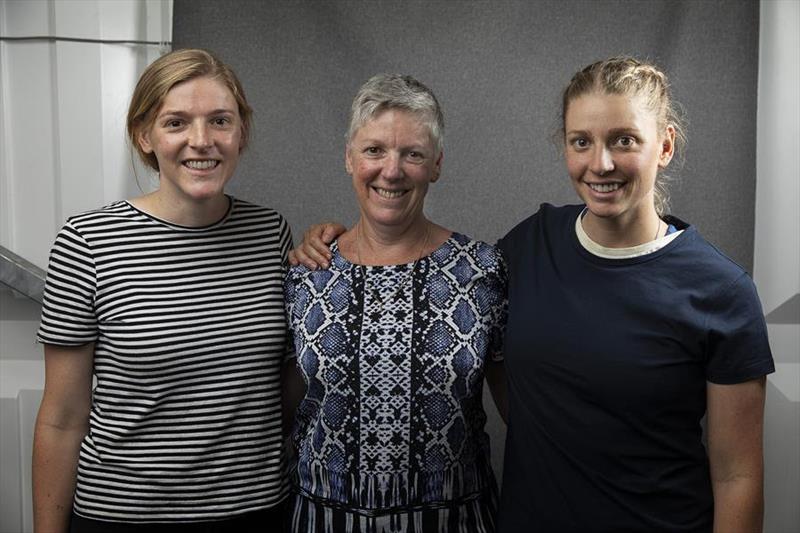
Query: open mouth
(386, 193)
(604, 187)
(201, 164)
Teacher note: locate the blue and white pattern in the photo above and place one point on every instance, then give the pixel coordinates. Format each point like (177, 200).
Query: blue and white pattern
(393, 417)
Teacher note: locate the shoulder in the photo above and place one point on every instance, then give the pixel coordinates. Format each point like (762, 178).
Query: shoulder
(705, 256)
(718, 285)
(108, 214)
(247, 216)
(302, 284)
(484, 256)
(249, 210)
(488, 254)
(300, 274)
(81, 228)
(546, 217)
(546, 214)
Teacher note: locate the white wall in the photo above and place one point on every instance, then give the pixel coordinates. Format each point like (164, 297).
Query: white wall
(62, 133)
(777, 252)
(62, 151)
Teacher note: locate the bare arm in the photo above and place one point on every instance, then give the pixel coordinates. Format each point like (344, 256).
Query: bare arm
(314, 251)
(495, 372)
(61, 424)
(735, 451)
(293, 389)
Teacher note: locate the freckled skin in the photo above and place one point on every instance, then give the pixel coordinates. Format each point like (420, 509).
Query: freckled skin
(615, 139)
(198, 120)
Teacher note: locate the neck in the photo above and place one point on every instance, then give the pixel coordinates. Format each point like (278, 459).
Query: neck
(623, 232)
(373, 244)
(186, 213)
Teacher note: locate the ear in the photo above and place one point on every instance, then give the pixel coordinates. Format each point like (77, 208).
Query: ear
(348, 166)
(667, 147)
(143, 139)
(437, 167)
(242, 145)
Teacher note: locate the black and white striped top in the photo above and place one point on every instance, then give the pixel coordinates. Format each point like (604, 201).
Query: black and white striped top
(190, 335)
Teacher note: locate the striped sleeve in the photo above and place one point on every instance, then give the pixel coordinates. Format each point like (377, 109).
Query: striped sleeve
(286, 244)
(68, 314)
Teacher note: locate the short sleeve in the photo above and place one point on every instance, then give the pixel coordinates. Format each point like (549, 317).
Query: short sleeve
(290, 294)
(737, 345)
(286, 244)
(497, 300)
(68, 312)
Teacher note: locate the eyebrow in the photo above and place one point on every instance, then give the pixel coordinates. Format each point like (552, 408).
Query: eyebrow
(179, 113)
(378, 142)
(612, 132)
(621, 131)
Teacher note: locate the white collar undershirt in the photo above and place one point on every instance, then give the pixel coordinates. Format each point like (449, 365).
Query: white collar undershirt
(620, 253)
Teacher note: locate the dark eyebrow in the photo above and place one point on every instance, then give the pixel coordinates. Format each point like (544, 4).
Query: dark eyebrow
(178, 113)
(625, 131)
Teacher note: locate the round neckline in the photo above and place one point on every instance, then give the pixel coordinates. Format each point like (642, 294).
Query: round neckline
(625, 252)
(346, 263)
(685, 231)
(173, 225)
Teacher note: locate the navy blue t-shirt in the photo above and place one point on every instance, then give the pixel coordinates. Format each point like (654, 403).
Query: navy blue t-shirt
(607, 363)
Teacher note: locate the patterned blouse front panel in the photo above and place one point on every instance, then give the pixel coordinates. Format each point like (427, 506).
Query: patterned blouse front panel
(393, 358)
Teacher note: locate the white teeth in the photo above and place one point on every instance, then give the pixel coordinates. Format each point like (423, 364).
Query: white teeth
(389, 194)
(201, 165)
(605, 187)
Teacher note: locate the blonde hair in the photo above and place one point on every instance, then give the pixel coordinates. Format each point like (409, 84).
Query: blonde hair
(631, 77)
(166, 72)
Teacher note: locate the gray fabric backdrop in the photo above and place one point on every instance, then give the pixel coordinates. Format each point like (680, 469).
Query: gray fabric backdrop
(497, 69)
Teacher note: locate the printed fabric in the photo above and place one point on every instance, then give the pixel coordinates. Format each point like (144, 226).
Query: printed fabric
(393, 357)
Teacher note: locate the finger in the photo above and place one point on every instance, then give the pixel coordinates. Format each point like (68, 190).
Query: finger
(314, 244)
(331, 231)
(310, 257)
(293, 258)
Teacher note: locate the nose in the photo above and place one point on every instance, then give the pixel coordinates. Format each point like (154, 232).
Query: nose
(199, 136)
(392, 167)
(602, 163)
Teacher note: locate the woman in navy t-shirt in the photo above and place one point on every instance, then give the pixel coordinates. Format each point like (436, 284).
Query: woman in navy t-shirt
(626, 328)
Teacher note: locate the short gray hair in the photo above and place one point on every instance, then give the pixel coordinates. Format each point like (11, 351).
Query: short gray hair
(397, 91)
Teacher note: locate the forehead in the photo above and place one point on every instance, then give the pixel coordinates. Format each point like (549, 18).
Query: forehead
(597, 109)
(398, 124)
(197, 93)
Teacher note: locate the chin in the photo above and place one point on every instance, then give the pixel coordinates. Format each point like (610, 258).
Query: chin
(206, 195)
(602, 210)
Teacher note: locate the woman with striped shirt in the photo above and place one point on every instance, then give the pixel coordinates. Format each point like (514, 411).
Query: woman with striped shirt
(173, 303)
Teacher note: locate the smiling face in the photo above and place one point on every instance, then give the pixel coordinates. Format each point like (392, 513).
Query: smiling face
(614, 150)
(196, 138)
(392, 159)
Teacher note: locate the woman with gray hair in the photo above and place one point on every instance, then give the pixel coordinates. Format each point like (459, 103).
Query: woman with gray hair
(393, 342)
(625, 329)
